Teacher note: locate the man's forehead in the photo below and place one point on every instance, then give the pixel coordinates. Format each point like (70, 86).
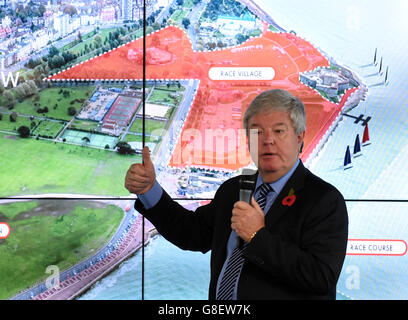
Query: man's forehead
(272, 118)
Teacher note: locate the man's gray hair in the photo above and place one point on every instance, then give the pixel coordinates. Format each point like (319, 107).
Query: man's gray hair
(279, 100)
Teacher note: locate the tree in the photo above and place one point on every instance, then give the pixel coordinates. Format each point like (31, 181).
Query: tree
(124, 148)
(23, 131)
(27, 89)
(71, 111)
(13, 117)
(53, 52)
(56, 62)
(98, 41)
(85, 141)
(149, 30)
(185, 22)
(241, 38)
(9, 99)
(33, 87)
(70, 9)
(68, 56)
(156, 26)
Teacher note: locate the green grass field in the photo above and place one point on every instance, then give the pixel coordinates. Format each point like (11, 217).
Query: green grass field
(165, 97)
(84, 125)
(48, 128)
(29, 166)
(151, 125)
(7, 125)
(50, 232)
(178, 16)
(133, 137)
(56, 102)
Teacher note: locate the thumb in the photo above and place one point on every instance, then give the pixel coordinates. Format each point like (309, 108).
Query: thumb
(147, 161)
(255, 204)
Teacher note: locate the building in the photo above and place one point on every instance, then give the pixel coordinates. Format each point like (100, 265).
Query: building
(126, 9)
(61, 24)
(309, 79)
(138, 9)
(108, 14)
(7, 58)
(132, 10)
(88, 19)
(40, 39)
(48, 17)
(6, 22)
(331, 82)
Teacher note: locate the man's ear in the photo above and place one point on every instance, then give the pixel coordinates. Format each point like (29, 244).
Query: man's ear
(301, 137)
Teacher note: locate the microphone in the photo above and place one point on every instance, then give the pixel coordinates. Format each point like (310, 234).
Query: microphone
(247, 182)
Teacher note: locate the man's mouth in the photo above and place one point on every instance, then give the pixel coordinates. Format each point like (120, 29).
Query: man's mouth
(268, 154)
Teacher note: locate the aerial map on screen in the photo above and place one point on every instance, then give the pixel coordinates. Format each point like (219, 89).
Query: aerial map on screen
(79, 82)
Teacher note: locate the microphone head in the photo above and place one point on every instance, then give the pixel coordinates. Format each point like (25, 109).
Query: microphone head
(247, 182)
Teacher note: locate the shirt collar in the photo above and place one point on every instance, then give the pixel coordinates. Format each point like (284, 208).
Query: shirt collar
(280, 183)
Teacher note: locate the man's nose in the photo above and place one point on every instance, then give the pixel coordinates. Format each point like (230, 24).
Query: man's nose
(269, 137)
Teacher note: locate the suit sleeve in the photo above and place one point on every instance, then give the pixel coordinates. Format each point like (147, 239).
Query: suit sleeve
(314, 265)
(186, 229)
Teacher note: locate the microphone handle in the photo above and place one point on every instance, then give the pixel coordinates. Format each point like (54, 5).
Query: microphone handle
(245, 195)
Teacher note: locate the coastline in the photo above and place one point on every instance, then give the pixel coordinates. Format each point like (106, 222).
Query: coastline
(254, 7)
(73, 287)
(87, 278)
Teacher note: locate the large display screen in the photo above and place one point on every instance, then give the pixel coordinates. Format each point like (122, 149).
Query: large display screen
(86, 84)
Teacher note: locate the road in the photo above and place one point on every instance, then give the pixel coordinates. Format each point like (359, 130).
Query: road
(169, 139)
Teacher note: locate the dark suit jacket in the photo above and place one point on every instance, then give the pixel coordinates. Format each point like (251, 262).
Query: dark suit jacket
(298, 255)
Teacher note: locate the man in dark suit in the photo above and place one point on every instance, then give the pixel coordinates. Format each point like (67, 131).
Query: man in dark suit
(289, 243)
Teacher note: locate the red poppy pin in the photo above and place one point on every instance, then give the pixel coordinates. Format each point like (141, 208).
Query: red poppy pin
(290, 199)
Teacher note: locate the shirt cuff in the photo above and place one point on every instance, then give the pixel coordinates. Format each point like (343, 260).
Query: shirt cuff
(151, 197)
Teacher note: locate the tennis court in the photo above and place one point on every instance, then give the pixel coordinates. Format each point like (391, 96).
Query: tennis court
(122, 110)
(95, 140)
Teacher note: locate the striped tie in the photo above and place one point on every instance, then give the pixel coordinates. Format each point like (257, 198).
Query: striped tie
(236, 260)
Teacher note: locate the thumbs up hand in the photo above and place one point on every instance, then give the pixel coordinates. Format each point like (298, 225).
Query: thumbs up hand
(141, 177)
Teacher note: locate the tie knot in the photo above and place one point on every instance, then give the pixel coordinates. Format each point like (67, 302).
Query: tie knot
(264, 189)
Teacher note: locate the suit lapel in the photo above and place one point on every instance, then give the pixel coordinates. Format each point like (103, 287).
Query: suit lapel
(295, 182)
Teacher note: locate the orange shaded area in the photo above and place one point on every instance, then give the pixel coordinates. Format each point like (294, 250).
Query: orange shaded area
(168, 51)
(212, 135)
